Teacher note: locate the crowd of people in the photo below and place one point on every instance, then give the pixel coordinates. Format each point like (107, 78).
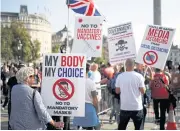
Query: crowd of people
(132, 87)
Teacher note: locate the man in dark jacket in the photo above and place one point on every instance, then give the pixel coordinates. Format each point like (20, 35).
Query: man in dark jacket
(11, 82)
(5, 77)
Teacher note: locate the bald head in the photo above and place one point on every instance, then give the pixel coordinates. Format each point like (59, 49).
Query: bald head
(94, 67)
(130, 64)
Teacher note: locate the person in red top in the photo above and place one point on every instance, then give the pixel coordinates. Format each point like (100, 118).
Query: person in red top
(160, 96)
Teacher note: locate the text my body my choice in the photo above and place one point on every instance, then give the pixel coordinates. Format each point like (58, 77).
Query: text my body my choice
(66, 66)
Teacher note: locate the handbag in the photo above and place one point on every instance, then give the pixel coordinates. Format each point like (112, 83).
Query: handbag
(172, 98)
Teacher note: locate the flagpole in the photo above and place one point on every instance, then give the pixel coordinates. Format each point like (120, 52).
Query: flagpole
(67, 42)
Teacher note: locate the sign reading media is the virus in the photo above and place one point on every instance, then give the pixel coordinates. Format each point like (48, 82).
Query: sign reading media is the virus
(63, 84)
(155, 46)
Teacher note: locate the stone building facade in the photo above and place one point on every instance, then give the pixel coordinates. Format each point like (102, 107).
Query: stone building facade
(37, 25)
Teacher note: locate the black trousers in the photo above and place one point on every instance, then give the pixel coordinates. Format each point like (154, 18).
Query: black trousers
(5, 102)
(9, 112)
(164, 105)
(88, 128)
(66, 120)
(136, 116)
(144, 118)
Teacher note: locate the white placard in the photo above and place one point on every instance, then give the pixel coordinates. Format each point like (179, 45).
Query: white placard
(155, 46)
(88, 36)
(121, 43)
(63, 84)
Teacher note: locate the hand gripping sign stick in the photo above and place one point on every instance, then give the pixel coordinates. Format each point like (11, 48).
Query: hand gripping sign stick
(150, 71)
(145, 71)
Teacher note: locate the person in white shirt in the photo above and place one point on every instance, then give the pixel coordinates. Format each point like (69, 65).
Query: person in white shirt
(131, 86)
(90, 120)
(96, 78)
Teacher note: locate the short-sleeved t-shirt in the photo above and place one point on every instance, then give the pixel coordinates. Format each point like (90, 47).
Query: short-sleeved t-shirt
(96, 78)
(158, 90)
(129, 84)
(90, 86)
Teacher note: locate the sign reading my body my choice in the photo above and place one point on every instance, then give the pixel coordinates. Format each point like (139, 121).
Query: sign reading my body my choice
(62, 82)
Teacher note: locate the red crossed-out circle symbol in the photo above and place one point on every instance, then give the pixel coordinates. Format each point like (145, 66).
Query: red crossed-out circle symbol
(63, 92)
(150, 60)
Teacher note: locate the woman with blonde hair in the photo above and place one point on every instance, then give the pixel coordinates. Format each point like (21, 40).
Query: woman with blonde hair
(27, 109)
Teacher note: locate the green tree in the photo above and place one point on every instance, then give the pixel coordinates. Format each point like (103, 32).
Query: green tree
(19, 43)
(36, 45)
(100, 60)
(56, 48)
(22, 40)
(6, 42)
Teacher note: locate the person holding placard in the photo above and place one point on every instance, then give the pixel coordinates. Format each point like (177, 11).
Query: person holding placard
(90, 120)
(27, 109)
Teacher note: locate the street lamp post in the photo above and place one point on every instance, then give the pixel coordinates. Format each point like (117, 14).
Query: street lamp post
(63, 49)
(20, 48)
(157, 12)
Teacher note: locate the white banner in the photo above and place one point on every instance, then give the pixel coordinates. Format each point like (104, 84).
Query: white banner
(88, 36)
(155, 46)
(63, 84)
(121, 43)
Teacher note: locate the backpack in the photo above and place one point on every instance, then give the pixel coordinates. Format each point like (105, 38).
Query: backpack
(111, 86)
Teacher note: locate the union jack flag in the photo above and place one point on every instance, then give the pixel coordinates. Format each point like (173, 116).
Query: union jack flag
(85, 7)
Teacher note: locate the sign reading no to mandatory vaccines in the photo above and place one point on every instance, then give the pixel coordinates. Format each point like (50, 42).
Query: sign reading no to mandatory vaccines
(63, 84)
(88, 36)
(155, 46)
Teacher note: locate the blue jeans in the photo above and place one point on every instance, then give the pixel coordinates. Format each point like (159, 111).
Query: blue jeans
(115, 109)
(136, 116)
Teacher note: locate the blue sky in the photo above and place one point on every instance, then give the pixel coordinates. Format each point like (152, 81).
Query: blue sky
(139, 12)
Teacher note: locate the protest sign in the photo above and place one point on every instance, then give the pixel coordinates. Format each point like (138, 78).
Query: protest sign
(63, 84)
(121, 43)
(88, 36)
(155, 46)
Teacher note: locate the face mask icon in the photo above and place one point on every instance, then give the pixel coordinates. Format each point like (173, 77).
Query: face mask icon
(150, 57)
(64, 85)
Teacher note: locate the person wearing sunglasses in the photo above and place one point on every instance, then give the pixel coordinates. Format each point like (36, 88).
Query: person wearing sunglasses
(27, 109)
